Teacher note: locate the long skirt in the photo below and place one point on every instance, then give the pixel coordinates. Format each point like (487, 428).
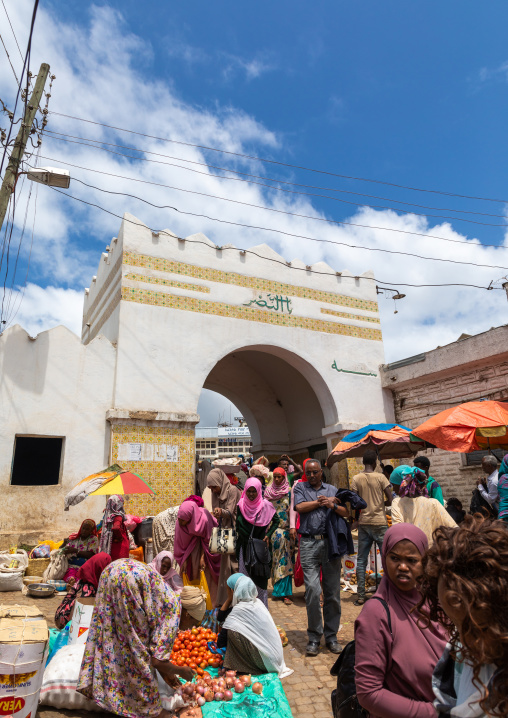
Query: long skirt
(262, 592)
(283, 587)
(242, 655)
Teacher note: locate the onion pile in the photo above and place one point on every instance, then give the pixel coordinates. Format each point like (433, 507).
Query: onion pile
(207, 689)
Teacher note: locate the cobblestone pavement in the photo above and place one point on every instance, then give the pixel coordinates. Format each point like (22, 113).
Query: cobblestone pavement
(308, 689)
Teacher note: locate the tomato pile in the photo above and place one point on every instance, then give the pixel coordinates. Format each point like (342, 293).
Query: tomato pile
(191, 649)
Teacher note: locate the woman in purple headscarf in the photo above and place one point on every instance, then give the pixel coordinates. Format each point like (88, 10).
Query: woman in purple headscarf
(394, 665)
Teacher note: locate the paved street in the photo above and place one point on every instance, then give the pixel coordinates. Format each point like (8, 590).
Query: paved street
(308, 689)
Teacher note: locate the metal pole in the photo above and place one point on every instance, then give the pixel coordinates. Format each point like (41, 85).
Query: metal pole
(11, 173)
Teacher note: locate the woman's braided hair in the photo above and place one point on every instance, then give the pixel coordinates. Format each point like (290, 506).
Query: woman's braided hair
(473, 561)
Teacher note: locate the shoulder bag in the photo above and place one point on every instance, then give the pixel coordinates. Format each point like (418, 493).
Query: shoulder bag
(223, 541)
(257, 557)
(344, 700)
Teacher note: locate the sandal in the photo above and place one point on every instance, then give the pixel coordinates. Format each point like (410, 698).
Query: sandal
(287, 601)
(359, 602)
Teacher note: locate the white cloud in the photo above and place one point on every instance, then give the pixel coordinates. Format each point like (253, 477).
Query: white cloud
(44, 308)
(103, 73)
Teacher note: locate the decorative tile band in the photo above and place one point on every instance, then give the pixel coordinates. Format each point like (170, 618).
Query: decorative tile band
(172, 481)
(167, 282)
(242, 280)
(360, 317)
(192, 304)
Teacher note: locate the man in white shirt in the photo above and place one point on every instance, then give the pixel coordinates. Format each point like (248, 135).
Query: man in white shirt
(488, 487)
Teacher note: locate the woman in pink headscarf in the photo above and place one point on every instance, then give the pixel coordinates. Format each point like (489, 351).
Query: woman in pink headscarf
(394, 665)
(282, 541)
(192, 536)
(256, 517)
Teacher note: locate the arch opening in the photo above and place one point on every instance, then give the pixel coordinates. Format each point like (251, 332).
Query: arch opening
(283, 399)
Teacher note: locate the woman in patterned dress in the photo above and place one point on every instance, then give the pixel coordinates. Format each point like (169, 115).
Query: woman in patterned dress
(283, 538)
(134, 625)
(81, 546)
(84, 585)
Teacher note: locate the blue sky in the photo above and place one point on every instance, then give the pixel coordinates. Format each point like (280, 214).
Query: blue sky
(410, 94)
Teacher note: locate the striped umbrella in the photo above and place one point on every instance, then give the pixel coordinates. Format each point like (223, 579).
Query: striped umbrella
(390, 441)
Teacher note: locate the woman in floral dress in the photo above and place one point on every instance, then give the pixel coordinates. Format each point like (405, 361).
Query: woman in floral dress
(283, 538)
(134, 625)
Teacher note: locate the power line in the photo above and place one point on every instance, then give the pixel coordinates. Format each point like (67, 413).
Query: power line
(270, 209)
(15, 38)
(25, 62)
(9, 58)
(268, 179)
(282, 164)
(269, 229)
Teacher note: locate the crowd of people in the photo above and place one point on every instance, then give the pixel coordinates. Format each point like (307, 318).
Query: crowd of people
(435, 643)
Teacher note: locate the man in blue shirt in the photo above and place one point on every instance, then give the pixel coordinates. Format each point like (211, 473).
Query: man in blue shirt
(313, 500)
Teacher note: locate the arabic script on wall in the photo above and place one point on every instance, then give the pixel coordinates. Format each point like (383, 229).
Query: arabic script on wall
(273, 302)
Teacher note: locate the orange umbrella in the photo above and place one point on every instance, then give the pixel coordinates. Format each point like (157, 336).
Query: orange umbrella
(468, 427)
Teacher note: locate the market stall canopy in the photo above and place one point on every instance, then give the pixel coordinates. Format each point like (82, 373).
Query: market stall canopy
(468, 427)
(113, 480)
(390, 441)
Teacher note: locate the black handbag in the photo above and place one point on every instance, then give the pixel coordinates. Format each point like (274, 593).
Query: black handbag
(344, 700)
(257, 557)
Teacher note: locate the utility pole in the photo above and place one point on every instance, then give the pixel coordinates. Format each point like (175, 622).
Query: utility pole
(11, 173)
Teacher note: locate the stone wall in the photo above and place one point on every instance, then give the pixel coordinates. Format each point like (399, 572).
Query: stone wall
(466, 370)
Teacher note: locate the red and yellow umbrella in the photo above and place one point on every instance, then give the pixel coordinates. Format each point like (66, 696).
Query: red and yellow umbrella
(113, 480)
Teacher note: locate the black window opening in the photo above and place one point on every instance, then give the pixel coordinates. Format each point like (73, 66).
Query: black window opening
(475, 457)
(37, 461)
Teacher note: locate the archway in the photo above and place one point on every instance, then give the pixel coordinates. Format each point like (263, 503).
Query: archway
(283, 399)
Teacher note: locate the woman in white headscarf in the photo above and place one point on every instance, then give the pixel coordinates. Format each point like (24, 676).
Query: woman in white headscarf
(254, 644)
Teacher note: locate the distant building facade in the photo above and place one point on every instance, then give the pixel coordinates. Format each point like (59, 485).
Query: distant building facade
(216, 442)
(473, 367)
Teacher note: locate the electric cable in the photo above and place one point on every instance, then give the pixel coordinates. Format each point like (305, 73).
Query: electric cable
(282, 164)
(272, 209)
(15, 38)
(290, 234)
(286, 264)
(9, 58)
(84, 140)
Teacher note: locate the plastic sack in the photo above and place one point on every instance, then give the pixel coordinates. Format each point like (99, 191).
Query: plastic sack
(58, 566)
(201, 583)
(170, 700)
(11, 580)
(211, 620)
(61, 678)
(7, 559)
(57, 640)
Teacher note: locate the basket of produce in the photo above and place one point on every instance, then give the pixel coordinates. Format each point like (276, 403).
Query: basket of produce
(37, 566)
(41, 590)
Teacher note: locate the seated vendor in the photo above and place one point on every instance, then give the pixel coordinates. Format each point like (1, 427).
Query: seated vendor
(84, 585)
(81, 546)
(253, 641)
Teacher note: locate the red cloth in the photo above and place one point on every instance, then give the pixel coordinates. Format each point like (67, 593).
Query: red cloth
(120, 544)
(197, 500)
(92, 569)
(394, 674)
(86, 521)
